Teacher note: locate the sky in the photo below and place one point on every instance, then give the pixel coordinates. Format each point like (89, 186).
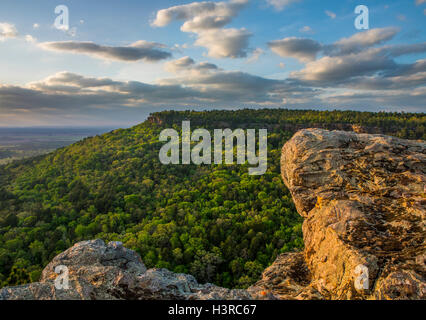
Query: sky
(112, 63)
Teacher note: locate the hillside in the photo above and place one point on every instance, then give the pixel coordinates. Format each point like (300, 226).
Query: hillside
(214, 222)
(362, 197)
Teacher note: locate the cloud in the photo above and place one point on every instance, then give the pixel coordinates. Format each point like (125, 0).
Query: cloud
(331, 14)
(358, 72)
(200, 15)
(70, 93)
(68, 97)
(333, 69)
(306, 29)
(391, 101)
(70, 82)
(7, 30)
(403, 49)
(347, 70)
(300, 48)
(306, 50)
(187, 64)
(419, 2)
(36, 26)
(236, 88)
(207, 19)
(225, 43)
(255, 55)
(67, 92)
(30, 38)
(178, 65)
(406, 76)
(281, 4)
(357, 62)
(362, 40)
(140, 50)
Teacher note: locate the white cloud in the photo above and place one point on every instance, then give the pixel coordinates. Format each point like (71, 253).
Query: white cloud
(67, 95)
(7, 30)
(306, 50)
(373, 63)
(340, 68)
(419, 2)
(300, 48)
(225, 43)
(188, 65)
(255, 55)
(36, 26)
(73, 93)
(207, 19)
(369, 100)
(30, 38)
(355, 62)
(140, 50)
(306, 29)
(200, 15)
(331, 14)
(403, 49)
(281, 4)
(362, 40)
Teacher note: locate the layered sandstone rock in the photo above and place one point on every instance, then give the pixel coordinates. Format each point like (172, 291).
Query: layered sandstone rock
(363, 200)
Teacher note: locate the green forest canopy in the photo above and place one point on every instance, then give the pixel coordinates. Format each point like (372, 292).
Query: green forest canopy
(215, 222)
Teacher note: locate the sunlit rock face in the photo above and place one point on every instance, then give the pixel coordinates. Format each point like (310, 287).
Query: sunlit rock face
(363, 200)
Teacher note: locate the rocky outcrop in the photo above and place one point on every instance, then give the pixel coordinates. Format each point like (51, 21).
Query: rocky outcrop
(363, 200)
(97, 271)
(288, 278)
(364, 204)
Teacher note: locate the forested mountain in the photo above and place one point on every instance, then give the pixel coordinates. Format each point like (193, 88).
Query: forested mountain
(215, 222)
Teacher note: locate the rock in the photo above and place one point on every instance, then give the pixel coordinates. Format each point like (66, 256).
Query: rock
(109, 272)
(288, 278)
(363, 200)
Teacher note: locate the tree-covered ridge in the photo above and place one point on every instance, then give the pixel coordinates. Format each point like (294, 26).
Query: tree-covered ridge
(402, 125)
(215, 222)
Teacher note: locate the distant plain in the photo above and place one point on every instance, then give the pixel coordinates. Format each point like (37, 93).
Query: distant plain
(20, 143)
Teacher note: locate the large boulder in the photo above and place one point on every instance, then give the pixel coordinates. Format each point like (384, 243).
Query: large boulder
(363, 200)
(98, 271)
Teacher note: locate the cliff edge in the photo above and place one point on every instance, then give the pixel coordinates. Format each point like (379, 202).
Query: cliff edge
(363, 200)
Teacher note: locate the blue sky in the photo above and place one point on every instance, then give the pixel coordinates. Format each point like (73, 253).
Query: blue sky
(125, 59)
